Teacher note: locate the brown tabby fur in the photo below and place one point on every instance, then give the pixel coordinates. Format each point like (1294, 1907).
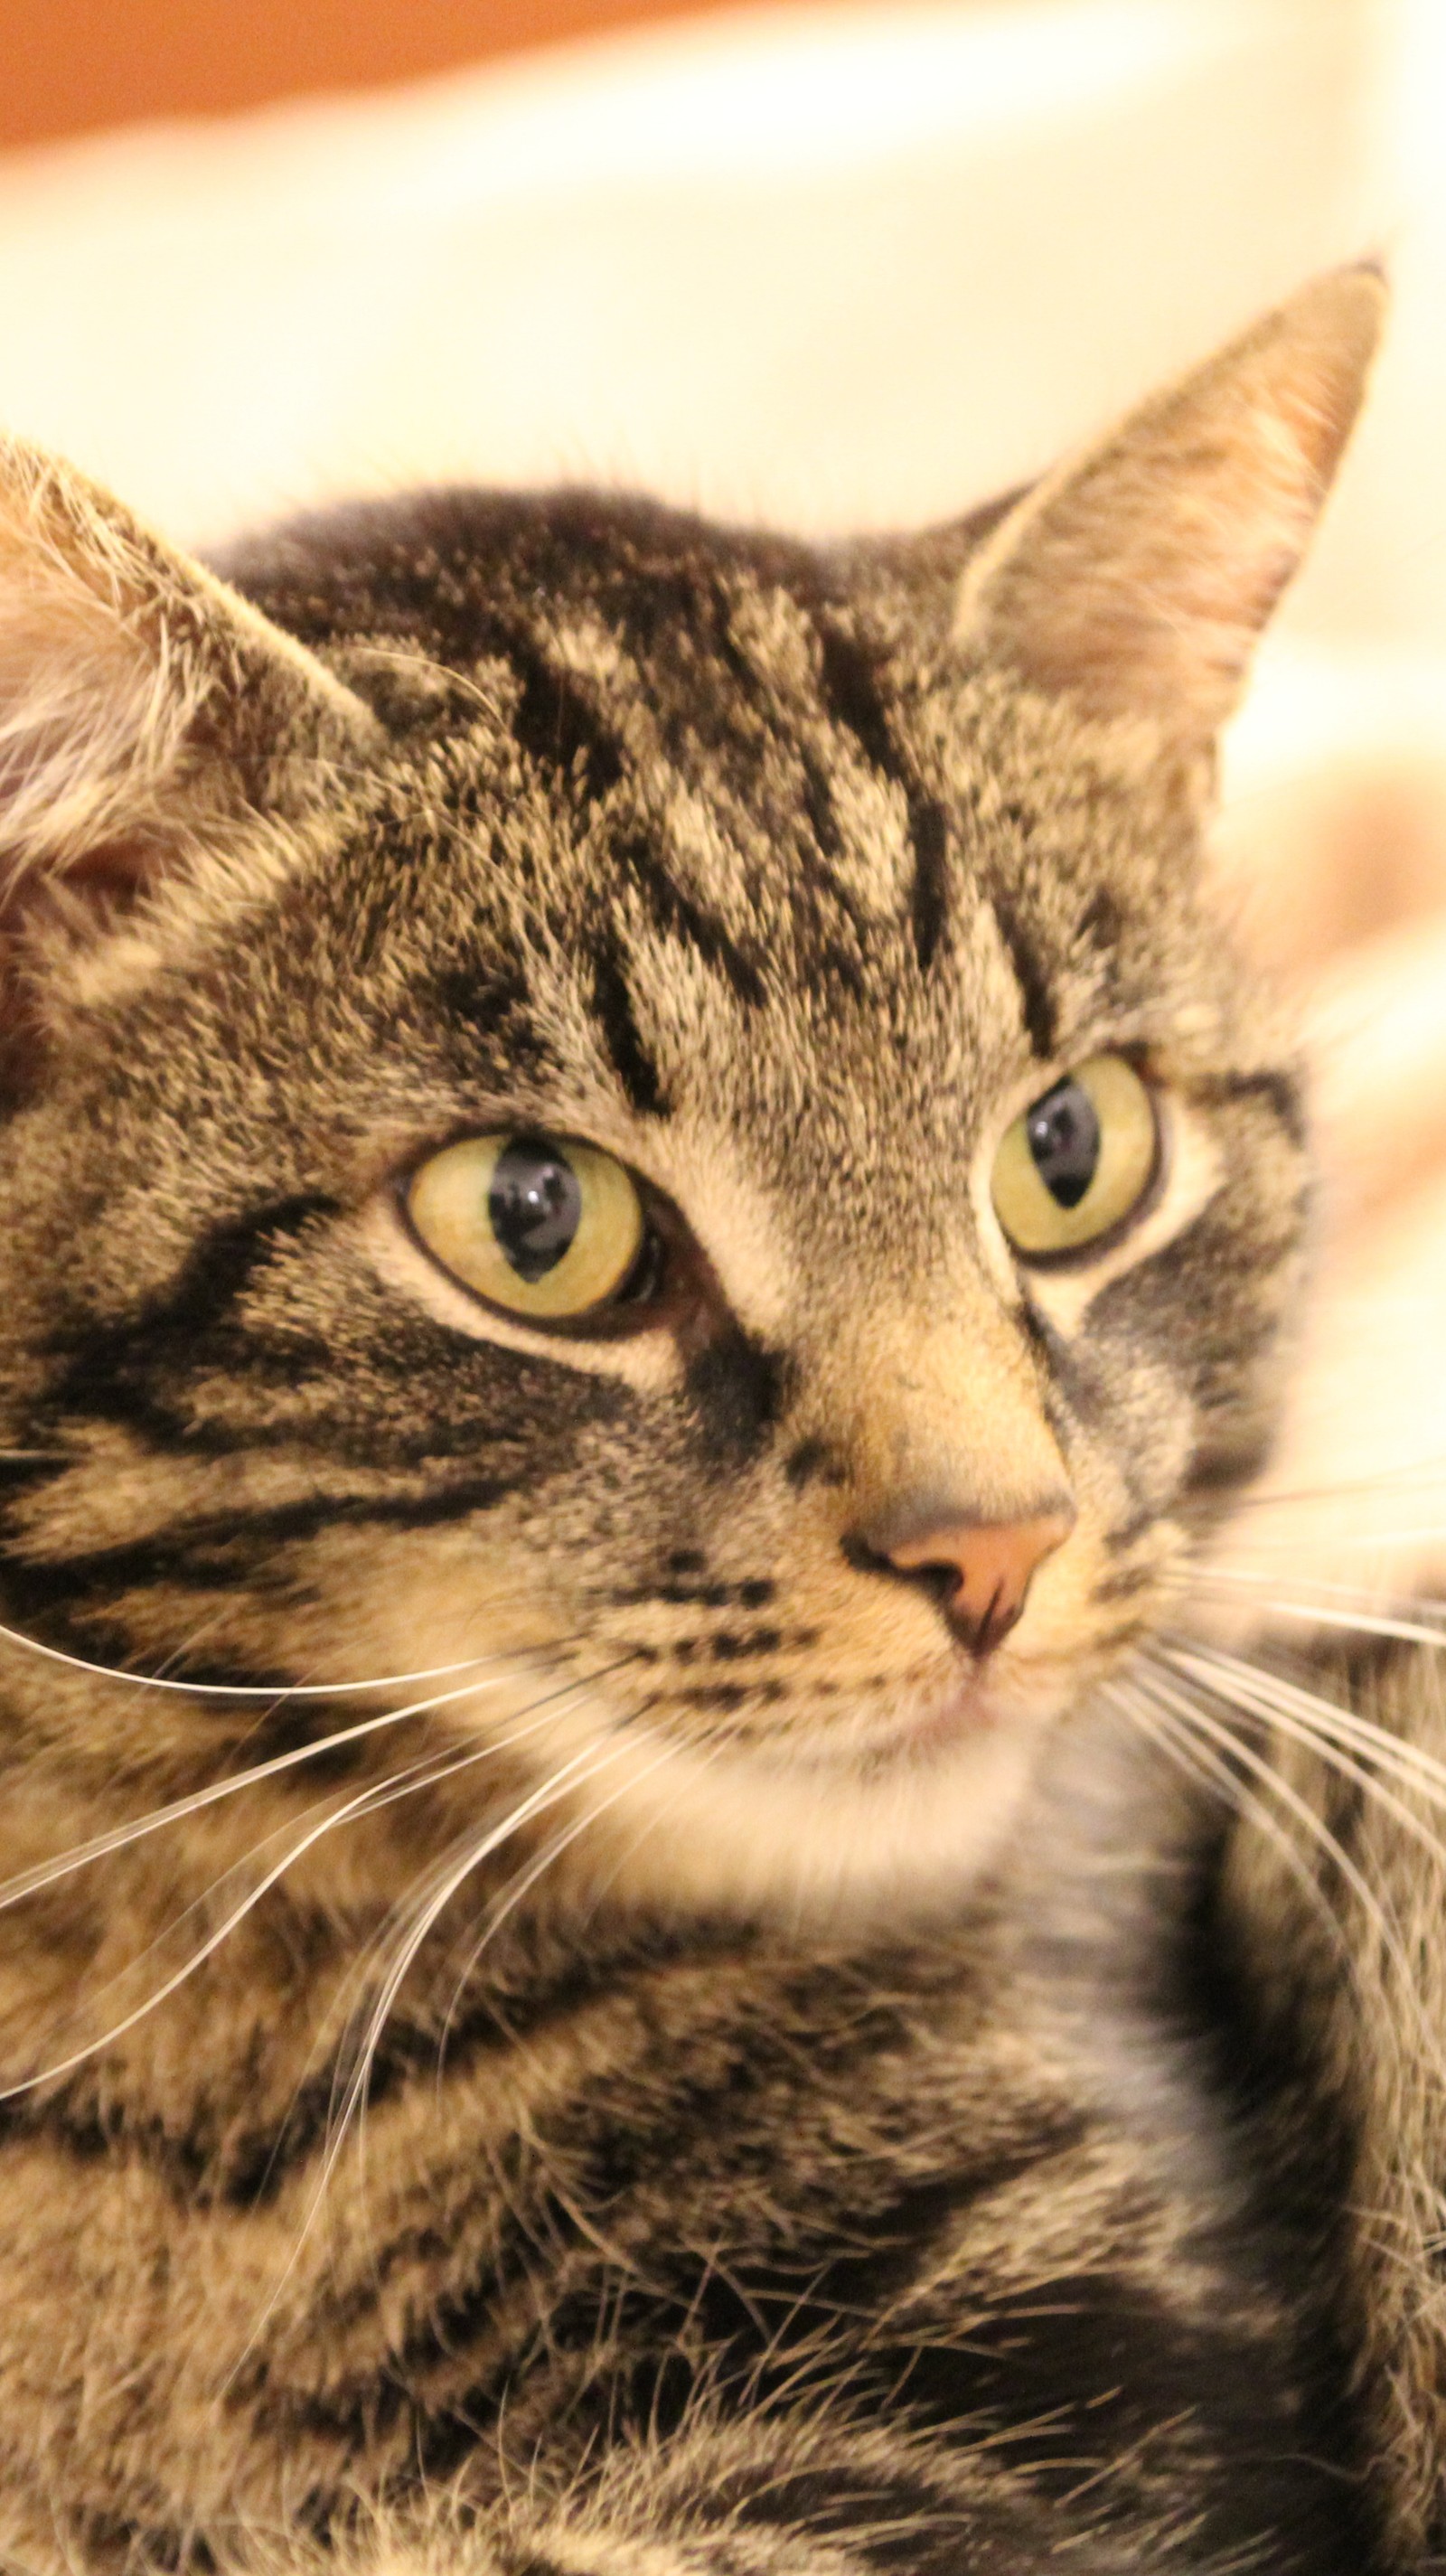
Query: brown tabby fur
(677, 2096)
(1344, 2022)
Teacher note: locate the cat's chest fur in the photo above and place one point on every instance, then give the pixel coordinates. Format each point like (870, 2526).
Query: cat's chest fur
(650, 2181)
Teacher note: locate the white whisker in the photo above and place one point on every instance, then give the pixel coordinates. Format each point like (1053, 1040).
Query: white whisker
(517, 1888)
(425, 1908)
(429, 1908)
(1234, 1744)
(46, 1873)
(1165, 1728)
(1371, 1595)
(375, 1795)
(1362, 1623)
(1426, 1474)
(1328, 1747)
(1276, 1698)
(424, 1773)
(277, 1692)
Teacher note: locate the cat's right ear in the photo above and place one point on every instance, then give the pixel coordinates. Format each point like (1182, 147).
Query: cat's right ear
(1136, 578)
(146, 710)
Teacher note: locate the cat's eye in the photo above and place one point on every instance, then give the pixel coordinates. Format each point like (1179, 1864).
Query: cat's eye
(1078, 1162)
(551, 1231)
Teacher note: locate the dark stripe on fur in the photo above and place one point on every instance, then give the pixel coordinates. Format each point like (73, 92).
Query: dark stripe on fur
(1127, 1584)
(613, 1004)
(735, 1385)
(929, 896)
(558, 728)
(855, 701)
(203, 1554)
(107, 1369)
(1036, 1000)
(851, 692)
(1101, 921)
(818, 806)
(1221, 1470)
(678, 917)
(1278, 1088)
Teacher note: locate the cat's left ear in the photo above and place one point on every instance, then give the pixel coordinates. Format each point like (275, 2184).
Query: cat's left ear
(145, 707)
(1137, 577)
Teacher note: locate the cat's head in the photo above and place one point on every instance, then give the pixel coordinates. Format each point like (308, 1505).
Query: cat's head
(656, 1106)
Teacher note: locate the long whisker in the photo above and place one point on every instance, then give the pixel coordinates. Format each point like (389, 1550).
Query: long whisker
(277, 1692)
(296, 1833)
(427, 1910)
(354, 2104)
(364, 1802)
(1161, 1726)
(1326, 1745)
(1371, 1595)
(422, 1774)
(1236, 1746)
(1421, 1622)
(520, 1886)
(1362, 1622)
(428, 1904)
(46, 1873)
(1425, 1475)
(1276, 1698)
(360, 1975)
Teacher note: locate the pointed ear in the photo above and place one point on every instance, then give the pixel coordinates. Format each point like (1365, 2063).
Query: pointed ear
(141, 701)
(1138, 577)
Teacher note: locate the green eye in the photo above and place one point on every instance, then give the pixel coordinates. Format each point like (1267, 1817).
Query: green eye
(1078, 1162)
(546, 1230)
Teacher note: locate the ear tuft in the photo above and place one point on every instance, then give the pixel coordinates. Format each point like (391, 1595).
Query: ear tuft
(132, 684)
(93, 705)
(1138, 577)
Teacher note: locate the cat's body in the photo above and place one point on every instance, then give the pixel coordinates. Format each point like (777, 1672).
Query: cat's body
(713, 2249)
(613, 2097)
(1327, 1916)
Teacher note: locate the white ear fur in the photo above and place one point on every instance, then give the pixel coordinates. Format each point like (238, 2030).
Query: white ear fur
(1138, 577)
(127, 674)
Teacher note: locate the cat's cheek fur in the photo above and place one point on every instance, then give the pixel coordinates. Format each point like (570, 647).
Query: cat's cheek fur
(791, 1745)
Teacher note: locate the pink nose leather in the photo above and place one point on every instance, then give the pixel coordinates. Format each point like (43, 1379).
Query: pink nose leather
(993, 1563)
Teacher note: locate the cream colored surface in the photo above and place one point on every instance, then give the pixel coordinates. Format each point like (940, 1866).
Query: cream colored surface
(860, 266)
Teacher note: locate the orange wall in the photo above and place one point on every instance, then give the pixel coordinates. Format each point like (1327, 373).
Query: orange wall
(69, 64)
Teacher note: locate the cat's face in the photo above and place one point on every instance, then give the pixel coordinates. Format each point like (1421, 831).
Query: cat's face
(541, 1175)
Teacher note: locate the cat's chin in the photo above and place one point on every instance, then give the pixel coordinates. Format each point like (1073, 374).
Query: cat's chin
(921, 1725)
(904, 1825)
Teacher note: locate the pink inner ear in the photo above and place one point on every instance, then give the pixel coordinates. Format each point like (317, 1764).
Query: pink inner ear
(1138, 579)
(115, 873)
(89, 892)
(80, 902)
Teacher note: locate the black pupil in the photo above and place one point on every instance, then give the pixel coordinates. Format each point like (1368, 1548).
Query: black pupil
(1064, 1138)
(534, 1205)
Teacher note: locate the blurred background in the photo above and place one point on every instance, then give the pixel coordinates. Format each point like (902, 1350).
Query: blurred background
(76, 64)
(830, 263)
(839, 264)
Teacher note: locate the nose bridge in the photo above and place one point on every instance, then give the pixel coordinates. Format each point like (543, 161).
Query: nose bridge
(952, 1479)
(937, 1420)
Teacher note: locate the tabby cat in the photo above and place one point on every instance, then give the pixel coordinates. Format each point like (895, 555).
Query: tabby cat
(645, 1221)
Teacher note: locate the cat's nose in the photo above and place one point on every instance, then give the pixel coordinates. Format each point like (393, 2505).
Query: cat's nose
(979, 1572)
